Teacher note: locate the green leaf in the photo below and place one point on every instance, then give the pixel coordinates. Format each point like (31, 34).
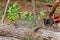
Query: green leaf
(13, 12)
(15, 4)
(42, 13)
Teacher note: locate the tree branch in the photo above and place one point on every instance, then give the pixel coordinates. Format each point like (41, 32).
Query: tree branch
(3, 17)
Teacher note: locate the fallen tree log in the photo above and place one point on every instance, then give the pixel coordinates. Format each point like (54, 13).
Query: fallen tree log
(8, 38)
(50, 34)
(11, 31)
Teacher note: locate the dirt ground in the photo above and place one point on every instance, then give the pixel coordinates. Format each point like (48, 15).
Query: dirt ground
(27, 6)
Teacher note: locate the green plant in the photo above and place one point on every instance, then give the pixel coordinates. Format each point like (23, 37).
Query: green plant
(30, 16)
(1, 13)
(29, 0)
(24, 15)
(37, 4)
(41, 15)
(13, 12)
(48, 1)
(27, 37)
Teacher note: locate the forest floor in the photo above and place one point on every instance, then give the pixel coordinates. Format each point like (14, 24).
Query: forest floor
(27, 6)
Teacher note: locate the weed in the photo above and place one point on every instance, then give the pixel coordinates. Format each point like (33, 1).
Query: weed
(24, 15)
(37, 4)
(13, 12)
(29, 0)
(27, 37)
(48, 1)
(29, 17)
(1, 13)
(41, 15)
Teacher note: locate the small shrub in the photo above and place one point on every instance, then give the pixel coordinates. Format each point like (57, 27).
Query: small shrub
(38, 4)
(24, 15)
(48, 1)
(29, 0)
(41, 15)
(30, 16)
(27, 16)
(1, 13)
(13, 12)
(27, 37)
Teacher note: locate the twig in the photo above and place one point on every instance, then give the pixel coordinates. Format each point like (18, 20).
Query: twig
(34, 14)
(3, 17)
